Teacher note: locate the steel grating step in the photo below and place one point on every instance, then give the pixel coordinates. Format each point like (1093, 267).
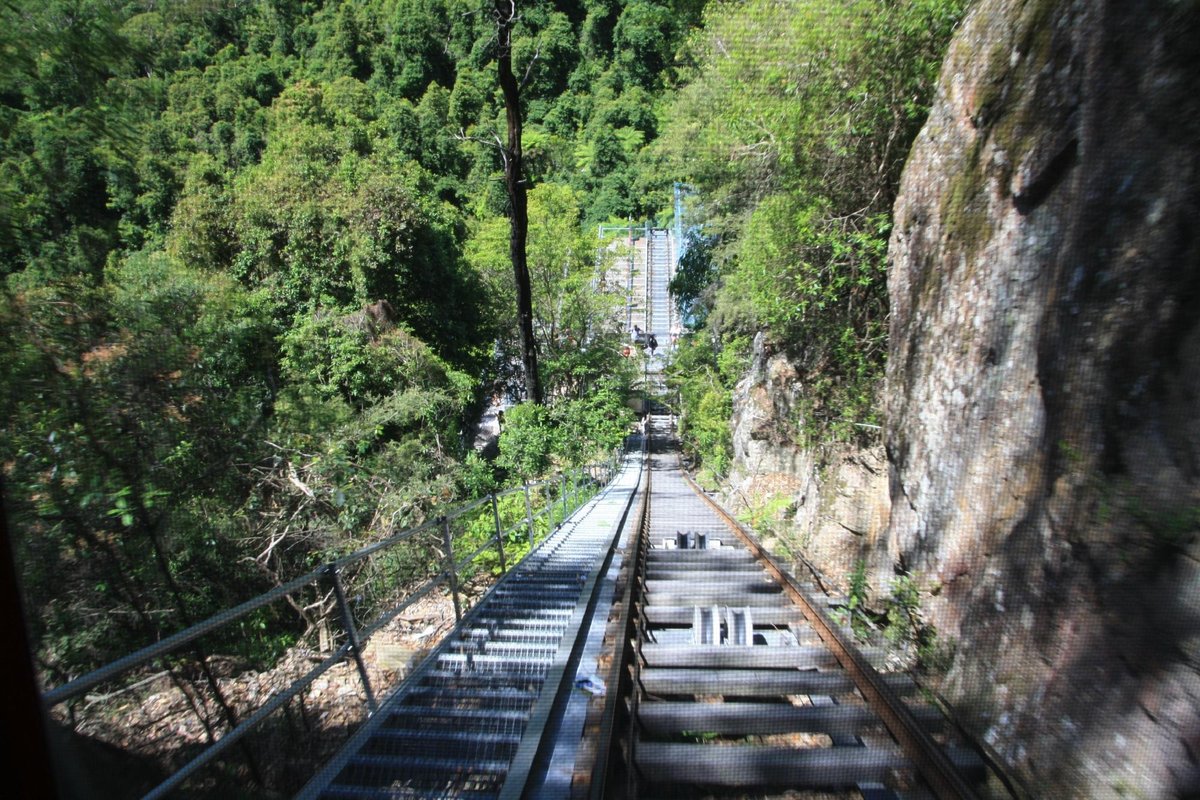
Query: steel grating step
(531, 608)
(478, 662)
(460, 717)
(381, 769)
(495, 720)
(409, 741)
(454, 728)
(445, 732)
(504, 635)
(348, 792)
(479, 680)
(499, 669)
(491, 647)
(498, 698)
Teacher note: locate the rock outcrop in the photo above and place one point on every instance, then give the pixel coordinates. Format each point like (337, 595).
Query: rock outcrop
(829, 506)
(1043, 408)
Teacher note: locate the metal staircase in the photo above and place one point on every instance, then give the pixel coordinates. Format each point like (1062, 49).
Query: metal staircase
(468, 722)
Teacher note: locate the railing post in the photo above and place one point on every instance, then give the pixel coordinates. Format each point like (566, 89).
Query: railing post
(451, 568)
(335, 577)
(499, 533)
(562, 490)
(529, 514)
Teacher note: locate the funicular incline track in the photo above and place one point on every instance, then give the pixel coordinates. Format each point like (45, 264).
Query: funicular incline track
(731, 680)
(722, 678)
(470, 719)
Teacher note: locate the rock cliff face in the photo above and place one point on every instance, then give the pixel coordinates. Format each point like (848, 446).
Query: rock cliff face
(1043, 408)
(831, 507)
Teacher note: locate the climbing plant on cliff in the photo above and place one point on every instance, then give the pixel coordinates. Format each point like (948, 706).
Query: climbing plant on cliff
(794, 126)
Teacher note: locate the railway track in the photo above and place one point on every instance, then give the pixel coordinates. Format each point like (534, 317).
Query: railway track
(718, 677)
(732, 683)
(659, 306)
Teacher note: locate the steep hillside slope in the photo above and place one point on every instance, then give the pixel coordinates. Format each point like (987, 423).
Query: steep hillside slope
(1043, 434)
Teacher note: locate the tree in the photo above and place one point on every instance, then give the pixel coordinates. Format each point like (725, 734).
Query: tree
(794, 127)
(505, 15)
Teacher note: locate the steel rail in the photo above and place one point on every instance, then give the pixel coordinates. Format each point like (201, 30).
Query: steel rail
(78, 686)
(532, 749)
(468, 508)
(617, 677)
(933, 764)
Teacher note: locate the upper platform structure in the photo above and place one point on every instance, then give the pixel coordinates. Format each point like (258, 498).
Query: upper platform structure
(645, 263)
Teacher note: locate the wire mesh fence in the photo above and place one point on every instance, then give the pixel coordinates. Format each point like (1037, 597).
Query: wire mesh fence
(191, 720)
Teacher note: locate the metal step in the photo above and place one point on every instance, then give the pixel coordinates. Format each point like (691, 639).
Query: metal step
(720, 656)
(756, 683)
(748, 765)
(454, 728)
(744, 719)
(730, 584)
(717, 595)
(682, 615)
(410, 742)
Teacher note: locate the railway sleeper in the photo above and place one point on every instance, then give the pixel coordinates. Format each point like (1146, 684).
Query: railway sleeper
(701, 576)
(718, 595)
(758, 584)
(682, 615)
(700, 559)
(697, 656)
(744, 766)
(757, 682)
(672, 718)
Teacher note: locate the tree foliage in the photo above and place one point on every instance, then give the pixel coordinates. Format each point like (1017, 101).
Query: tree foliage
(256, 278)
(252, 288)
(793, 127)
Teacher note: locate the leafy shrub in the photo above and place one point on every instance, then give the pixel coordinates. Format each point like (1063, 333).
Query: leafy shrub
(526, 441)
(703, 378)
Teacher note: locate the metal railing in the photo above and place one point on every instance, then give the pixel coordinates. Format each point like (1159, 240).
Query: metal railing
(374, 585)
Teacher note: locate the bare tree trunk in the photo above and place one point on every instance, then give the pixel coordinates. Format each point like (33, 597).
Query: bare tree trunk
(505, 15)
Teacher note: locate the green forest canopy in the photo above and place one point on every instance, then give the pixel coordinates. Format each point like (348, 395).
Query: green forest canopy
(246, 245)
